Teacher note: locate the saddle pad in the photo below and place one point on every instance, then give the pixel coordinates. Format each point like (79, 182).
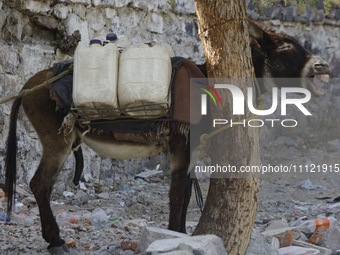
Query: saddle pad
(127, 125)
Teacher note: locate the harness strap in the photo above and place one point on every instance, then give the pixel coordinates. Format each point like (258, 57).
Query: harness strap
(205, 143)
(205, 138)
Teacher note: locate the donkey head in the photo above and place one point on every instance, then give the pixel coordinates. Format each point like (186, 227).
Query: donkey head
(278, 55)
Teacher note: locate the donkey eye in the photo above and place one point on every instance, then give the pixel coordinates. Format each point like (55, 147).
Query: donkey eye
(285, 46)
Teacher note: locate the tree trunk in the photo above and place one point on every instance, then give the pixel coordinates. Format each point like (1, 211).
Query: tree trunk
(231, 204)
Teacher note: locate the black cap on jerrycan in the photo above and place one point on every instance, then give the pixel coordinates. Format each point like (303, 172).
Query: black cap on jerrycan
(93, 41)
(111, 37)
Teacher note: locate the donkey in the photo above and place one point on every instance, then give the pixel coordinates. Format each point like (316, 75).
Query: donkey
(273, 55)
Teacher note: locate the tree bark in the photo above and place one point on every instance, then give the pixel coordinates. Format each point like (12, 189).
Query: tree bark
(231, 204)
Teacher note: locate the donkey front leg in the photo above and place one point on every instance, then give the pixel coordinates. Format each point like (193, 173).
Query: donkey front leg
(180, 189)
(52, 161)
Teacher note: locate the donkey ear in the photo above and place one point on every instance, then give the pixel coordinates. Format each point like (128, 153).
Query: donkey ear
(255, 31)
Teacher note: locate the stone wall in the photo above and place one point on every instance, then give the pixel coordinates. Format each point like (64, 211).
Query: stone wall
(34, 35)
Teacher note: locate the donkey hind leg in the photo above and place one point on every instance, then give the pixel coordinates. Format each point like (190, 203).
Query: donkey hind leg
(51, 163)
(78, 155)
(180, 189)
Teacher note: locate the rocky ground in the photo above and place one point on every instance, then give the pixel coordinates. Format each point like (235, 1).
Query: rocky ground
(107, 218)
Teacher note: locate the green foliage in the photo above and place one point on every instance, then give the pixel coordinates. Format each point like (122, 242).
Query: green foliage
(301, 4)
(172, 4)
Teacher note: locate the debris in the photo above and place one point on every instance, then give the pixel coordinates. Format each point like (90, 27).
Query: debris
(323, 250)
(136, 224)
(307, 185)
(148, 174)
(335, 200)
(279, 191)
(317, 235)
(309, 226)
(155, 179)
(287, 239)
(299, 208)
(64, 217)
(323, 197)
(70, 243)
(2, 193)
(273, 232)
(129, 246)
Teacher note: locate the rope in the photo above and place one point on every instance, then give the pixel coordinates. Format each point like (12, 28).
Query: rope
(198, 194)
(204, 145)
(26, 92)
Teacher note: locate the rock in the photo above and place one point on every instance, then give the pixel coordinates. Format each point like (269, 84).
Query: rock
(80, 198)
(104, 195)
(98, 18)
(190, 226)
(183, 252)
(36, 6)
(297, 250)
(185, 7)
(116, 212)
(206, 244)
(82, 186)
(33, 59)
(144, 198)
(154, 23)
(29, 201)
(22, 192)
(9, 59)
(60, 11)
(277, 224)
(74, 23)
(133, 246)
(333, 146)
(331, 237)
(68, 194)
(334, 208)
(155, 179)
(258, 245)
(151, 234)
(48, 22)
(86, 2)
(275, 22)
(101, 3)
(99, 218)
(120, 3)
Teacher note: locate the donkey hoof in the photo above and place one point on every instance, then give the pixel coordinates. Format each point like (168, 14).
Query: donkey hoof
(58, 249)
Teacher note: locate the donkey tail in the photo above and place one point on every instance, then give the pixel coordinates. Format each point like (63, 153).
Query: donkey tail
(11, 156)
